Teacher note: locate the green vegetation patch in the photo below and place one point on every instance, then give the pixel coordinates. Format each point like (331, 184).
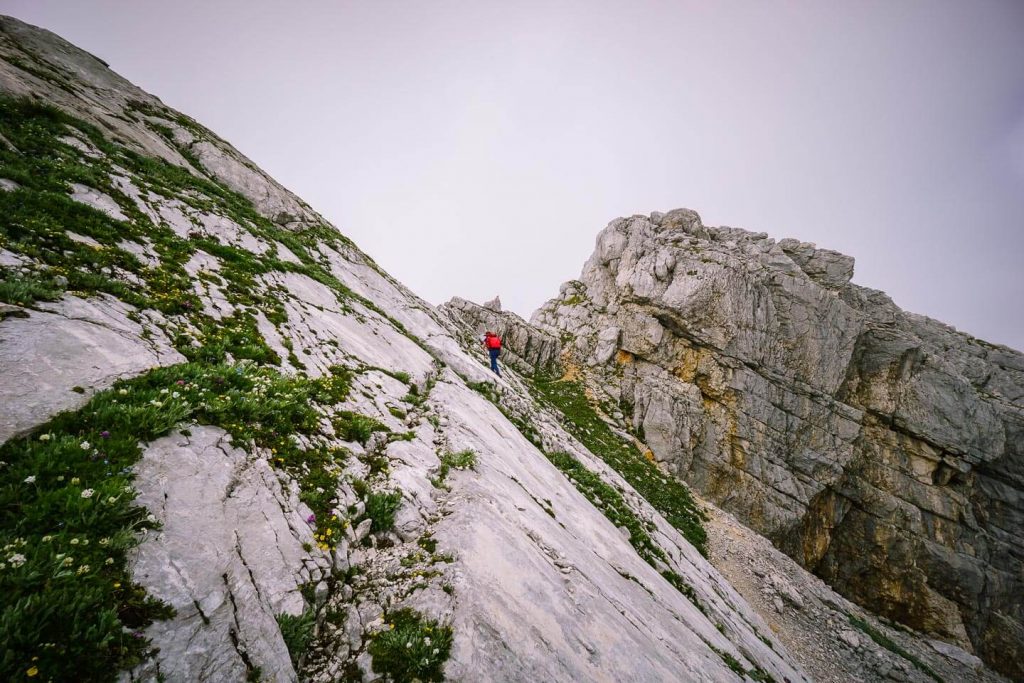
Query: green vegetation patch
(668, 496)
(356, 427)
(461, 460)
(411, 648)
(891, 646)
(610, 502)
(381, 507)
(68, 519)
(297, 632)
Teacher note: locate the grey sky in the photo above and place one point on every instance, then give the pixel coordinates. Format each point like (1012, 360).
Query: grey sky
(475, 148)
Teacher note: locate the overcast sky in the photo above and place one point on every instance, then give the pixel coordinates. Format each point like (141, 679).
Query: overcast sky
(476, 148)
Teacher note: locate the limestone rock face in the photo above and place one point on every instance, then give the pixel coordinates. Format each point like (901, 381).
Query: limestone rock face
(335, 520)
(881, 449)
(524, 346)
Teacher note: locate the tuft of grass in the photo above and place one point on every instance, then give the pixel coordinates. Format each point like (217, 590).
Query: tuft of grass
(381, 507)
(892, 646)
(26, 290)
(488, 389)
(670, 497)
(297, 631)
(411, 648)
(461, 460)
(355, 427)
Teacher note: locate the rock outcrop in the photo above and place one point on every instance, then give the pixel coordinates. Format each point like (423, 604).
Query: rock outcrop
(239, 441)
(880, 449)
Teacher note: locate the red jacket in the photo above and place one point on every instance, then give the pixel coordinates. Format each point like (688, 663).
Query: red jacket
(492, 341)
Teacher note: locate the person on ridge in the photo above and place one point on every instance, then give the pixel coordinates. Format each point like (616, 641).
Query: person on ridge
(492, 343)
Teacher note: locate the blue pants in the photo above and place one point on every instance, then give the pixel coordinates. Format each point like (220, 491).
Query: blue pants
(494, 360)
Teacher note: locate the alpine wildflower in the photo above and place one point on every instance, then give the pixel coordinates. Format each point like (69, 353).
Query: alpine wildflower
(87, 493)
(30, 479)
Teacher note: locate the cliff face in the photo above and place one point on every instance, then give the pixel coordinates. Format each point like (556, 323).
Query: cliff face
(882, 450)
(228, 435)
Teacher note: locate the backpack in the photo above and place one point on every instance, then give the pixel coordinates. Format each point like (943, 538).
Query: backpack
(493, 342)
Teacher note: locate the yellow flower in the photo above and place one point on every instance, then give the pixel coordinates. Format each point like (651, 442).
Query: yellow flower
(32, 671)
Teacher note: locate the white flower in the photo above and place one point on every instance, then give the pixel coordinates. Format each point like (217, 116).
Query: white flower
(60, 478)
(127, 489)
(75, 481)
(44, 437)
(68, 561)
(85, 445)
(175, 395)
(109, 561)
(104, 542)
(47, 538)
(426, 641)
(74, 541)
(111, 500)
(16, 560)
(164, 391)
(408, 645)
(436, 650)
(30, 479)
(83, 569)
(87, 493)
(151, 518)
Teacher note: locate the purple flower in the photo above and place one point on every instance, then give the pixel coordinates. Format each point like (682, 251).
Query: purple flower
(136, 634)
(180, 382)
(105, 434)
(311, 519)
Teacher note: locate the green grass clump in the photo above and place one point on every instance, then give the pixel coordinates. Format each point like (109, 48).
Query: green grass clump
(670, 497)
(411, 648)
(355, 427)
(488, 389)
(381, 508)
(23, 290)
(891, 646)
(462, 460)
(297, 631)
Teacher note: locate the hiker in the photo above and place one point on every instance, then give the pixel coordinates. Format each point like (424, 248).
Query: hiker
(492, 343)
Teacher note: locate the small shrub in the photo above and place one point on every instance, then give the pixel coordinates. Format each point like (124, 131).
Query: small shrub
(411, 648)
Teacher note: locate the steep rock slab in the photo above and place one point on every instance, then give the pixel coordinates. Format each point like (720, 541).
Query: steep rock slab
(228, 558)
(54, 358)
(879, 448)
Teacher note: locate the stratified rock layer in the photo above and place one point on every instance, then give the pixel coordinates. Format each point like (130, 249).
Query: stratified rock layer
(881, 449)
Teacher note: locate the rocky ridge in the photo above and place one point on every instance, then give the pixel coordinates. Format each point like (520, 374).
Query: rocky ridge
(241, 451)
(880, 449)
